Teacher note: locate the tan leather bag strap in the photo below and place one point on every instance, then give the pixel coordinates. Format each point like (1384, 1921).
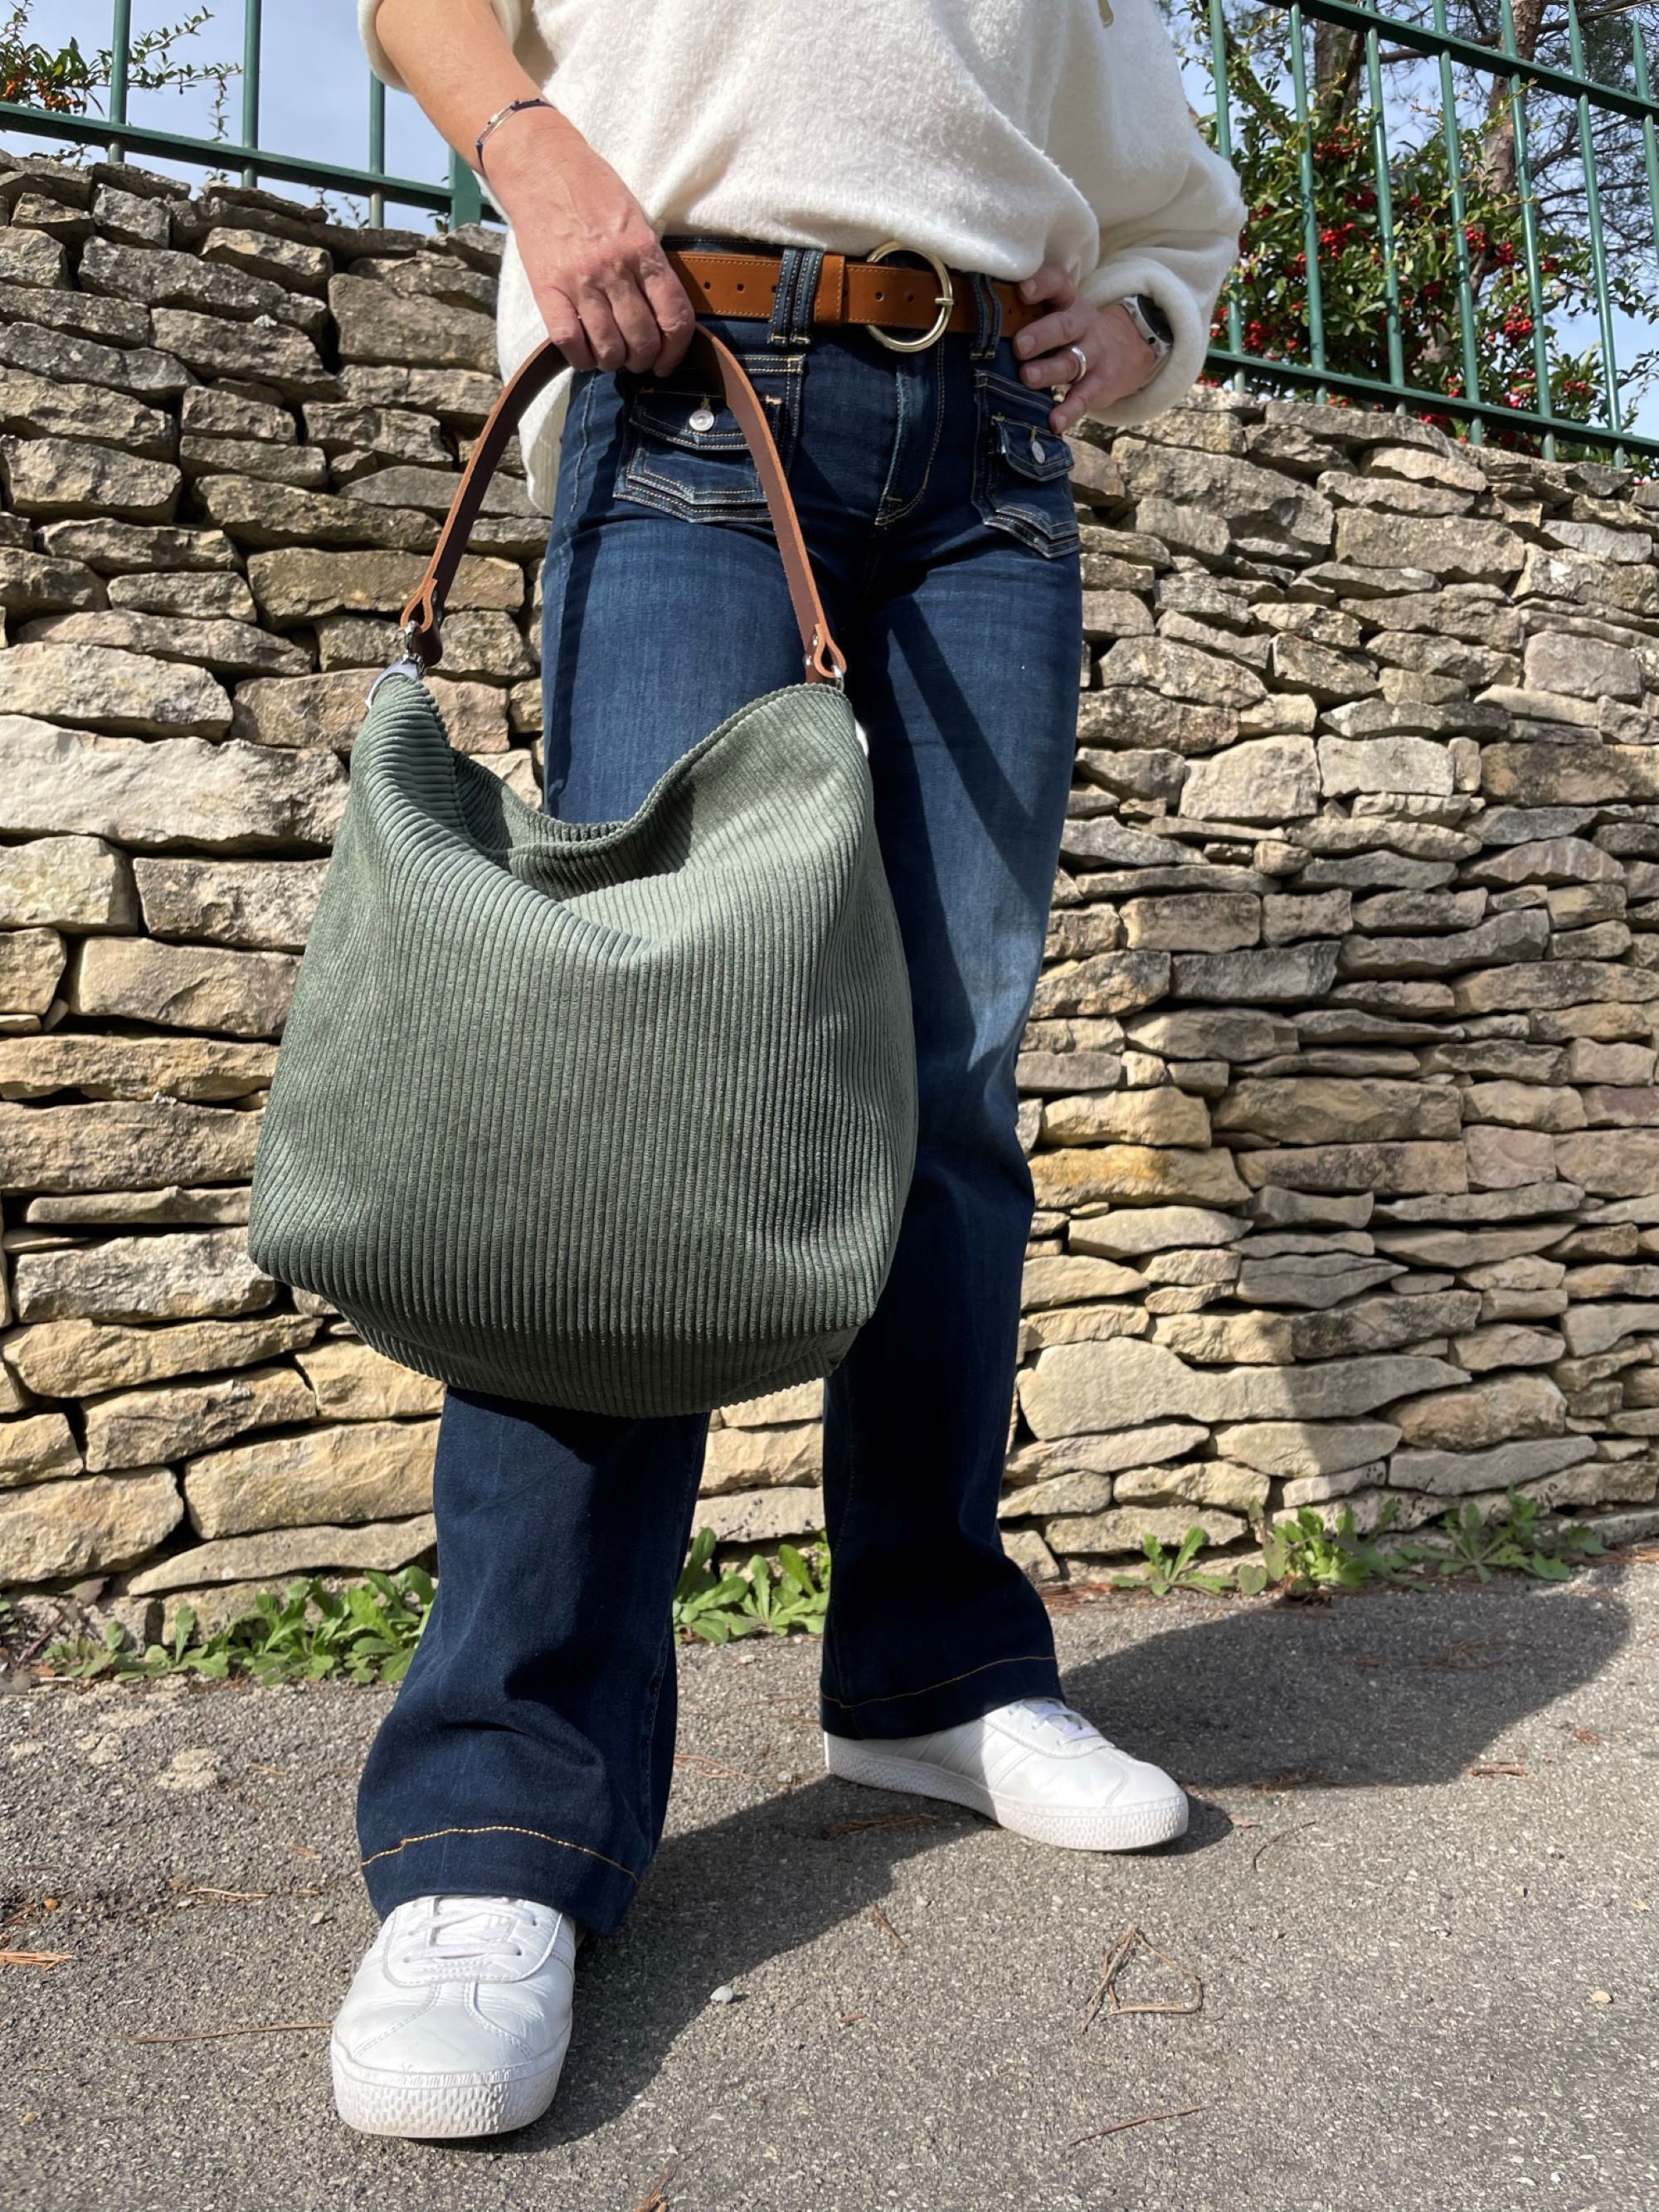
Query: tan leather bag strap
(423, 615)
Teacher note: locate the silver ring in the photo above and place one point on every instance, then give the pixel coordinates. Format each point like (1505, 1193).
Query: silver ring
(1082, 363)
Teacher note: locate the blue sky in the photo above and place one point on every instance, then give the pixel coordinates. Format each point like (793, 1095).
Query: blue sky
(313, 89)
(314, 99)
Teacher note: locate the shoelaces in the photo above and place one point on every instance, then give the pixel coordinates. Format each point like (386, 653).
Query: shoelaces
(1058, 1717)
(465, 1927)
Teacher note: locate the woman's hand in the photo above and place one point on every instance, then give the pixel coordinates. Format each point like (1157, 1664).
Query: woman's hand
(1120, 360)
(598, 273)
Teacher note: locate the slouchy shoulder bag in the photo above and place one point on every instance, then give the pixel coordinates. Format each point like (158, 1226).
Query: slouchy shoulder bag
(617, 1115)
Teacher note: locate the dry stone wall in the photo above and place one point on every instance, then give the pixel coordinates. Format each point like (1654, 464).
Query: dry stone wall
(1339, 1087)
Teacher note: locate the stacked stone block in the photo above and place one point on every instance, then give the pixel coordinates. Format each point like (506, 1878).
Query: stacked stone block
(1340, 1086)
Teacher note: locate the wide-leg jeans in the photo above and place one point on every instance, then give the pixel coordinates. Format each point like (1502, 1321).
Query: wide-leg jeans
(529, 1749)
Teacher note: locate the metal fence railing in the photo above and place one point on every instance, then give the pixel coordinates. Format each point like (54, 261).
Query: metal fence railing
(458, 198)
(1459, 202)
(1439, 201)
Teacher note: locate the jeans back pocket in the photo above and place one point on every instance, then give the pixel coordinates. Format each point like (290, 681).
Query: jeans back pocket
(1022, 476)
(686, 452)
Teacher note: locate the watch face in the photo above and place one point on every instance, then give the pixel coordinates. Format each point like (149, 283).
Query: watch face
(1159, 325)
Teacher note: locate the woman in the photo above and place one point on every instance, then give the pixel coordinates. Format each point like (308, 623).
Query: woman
(1037, 160)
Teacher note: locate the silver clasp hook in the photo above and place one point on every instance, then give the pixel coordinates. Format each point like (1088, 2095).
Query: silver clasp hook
(409, 663)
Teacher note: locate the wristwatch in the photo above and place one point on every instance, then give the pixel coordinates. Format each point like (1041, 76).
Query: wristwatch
(1153, 325)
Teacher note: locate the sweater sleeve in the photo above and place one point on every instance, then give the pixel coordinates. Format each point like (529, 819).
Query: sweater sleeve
(1180, 246)
(510, 14)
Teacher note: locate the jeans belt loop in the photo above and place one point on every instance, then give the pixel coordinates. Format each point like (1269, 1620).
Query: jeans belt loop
(783, 299)
(987, 328)
(800, 269)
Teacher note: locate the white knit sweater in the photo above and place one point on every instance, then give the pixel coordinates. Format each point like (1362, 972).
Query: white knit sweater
(997, 134)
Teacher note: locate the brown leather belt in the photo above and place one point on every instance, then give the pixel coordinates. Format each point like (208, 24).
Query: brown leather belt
(883, 294)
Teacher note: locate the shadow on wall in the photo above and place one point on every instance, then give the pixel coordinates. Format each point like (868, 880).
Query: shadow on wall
(1388, 1689)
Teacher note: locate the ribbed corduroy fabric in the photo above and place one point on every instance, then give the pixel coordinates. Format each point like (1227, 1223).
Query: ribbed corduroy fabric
(618, 1116)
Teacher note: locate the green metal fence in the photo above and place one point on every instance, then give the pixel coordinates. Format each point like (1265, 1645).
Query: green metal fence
(1381, 130)
(1404, 98)
(457, 198)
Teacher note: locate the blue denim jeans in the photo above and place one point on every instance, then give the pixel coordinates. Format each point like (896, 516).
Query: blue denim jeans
(529, 1749)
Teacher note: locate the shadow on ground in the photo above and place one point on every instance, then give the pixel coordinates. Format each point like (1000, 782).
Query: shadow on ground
(1383, 1690)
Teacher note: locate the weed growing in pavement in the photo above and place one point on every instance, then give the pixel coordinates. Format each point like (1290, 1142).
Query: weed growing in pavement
(1167, 1571)
(368, 1632)
(758, 1601)
(1515, 1542)
(1300, 1554)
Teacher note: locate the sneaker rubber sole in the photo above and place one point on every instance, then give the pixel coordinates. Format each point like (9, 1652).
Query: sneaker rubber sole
(1085, 1828)
(379, 2100)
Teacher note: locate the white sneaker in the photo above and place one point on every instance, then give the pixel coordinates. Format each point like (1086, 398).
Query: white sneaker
(1035, 1766)
(458, 2019)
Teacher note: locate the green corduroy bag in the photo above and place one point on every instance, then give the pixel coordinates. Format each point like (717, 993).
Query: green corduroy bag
(619, 1115)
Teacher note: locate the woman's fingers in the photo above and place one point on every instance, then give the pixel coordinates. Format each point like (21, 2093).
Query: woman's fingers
(604, 339)
(1119, 362)
(1051, 281)
(636, 321)
(1045, 346)
(676, 317)
(564, 327)
(1080, 397)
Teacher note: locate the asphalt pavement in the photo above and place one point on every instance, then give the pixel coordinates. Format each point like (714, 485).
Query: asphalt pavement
(1410, 1946)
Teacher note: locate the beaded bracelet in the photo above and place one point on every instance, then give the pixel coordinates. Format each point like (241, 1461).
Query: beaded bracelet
(512, 108)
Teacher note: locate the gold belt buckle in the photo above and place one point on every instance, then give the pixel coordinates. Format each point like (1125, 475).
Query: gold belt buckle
(945, 300)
